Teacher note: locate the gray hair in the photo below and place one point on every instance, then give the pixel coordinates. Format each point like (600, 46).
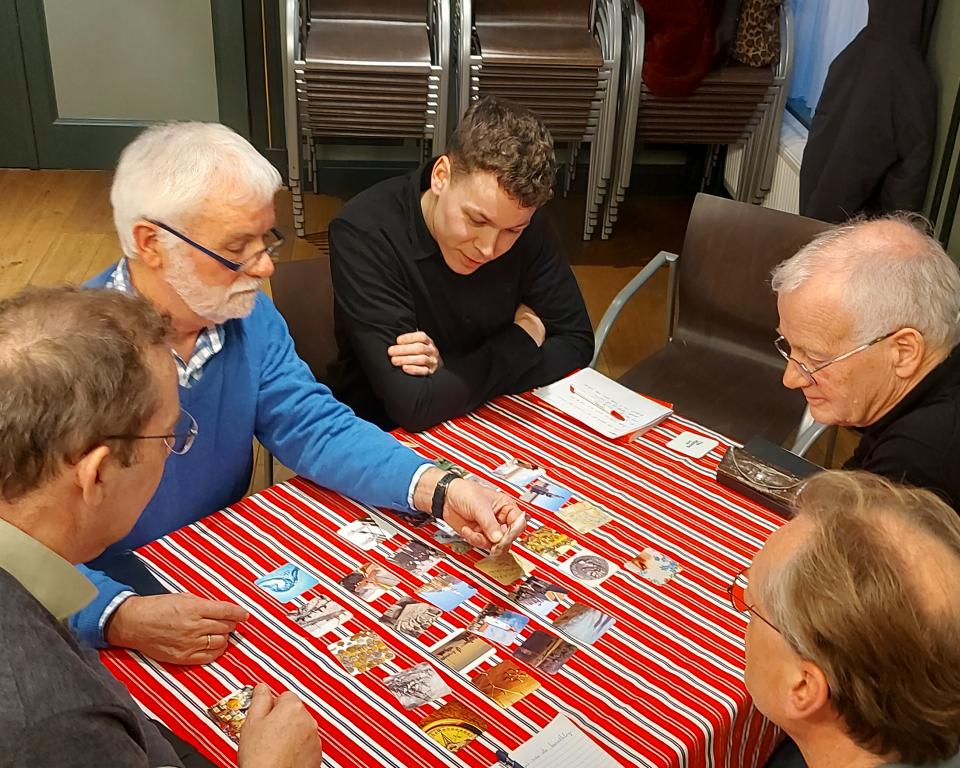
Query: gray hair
(170, 169)
(902, 281)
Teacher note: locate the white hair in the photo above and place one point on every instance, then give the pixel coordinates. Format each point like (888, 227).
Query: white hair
(893, 278)
(170, 169)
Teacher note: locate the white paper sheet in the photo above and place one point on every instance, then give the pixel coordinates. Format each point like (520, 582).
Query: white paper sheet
(602, 404)
(561, 745)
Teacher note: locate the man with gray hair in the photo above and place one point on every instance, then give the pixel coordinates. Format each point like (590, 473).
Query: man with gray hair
(869, 326)
(193, 206)
(853, 643)
(88, 416)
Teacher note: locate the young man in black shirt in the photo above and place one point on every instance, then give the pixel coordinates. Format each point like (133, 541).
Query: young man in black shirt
(449, 285)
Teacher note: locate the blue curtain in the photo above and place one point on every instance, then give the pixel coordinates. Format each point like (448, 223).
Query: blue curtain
(823, 28)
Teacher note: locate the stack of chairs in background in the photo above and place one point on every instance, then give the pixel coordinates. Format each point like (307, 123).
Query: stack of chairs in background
(735, 105)
(559, 58)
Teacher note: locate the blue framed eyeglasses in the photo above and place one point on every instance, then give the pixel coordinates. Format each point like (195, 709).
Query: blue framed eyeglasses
(274, 241)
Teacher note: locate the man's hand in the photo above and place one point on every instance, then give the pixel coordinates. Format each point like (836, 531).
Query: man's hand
(177, 628)
(416, 354)
(527, 319)
(479, 514)
(278, 732)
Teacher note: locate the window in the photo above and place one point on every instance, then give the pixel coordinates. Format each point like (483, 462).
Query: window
(822, 29)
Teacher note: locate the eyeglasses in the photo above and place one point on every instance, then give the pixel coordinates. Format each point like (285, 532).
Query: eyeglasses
(272, 248)
(737, 593)
(785, 350)
(179, 441)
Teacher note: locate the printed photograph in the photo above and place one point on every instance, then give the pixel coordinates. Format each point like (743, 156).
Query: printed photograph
(448, 466)
(546, 495)
(653, 566)
(498, 625)
(410, 617)
(518, 473)
(230, 712)
(446, 537)
(461, 651)
(548, 542)
(583, 516)
(589, 568)
(361, 652)
(287, 582)
(539, 596)
(453, 725)
(319, 615)
(416, 557)
(505, 568)
(446, 591)
(583, 623)
(545, 652)
(417, 686)
(505, 683)
(370, 581)
(364, 534)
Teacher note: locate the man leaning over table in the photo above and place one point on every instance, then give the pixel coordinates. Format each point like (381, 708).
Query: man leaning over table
(193, 207)
(88, 415)
(853, 645)
(870, 324)
(450, 287)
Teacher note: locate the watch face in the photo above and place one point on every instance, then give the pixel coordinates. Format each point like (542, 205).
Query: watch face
(453, 725)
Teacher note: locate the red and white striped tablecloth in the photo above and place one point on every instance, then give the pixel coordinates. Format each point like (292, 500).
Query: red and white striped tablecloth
(663, 687)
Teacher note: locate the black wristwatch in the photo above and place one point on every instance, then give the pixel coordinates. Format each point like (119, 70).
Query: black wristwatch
(440, 495)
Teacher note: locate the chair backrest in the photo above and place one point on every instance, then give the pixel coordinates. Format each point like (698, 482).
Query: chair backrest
(303, 292)
(548, 12)
(373, 10)
(728, 253)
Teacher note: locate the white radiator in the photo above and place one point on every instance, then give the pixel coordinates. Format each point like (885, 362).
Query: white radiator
(784, 193)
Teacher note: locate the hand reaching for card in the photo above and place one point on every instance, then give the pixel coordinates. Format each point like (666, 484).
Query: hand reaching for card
(482, 516)
(278, 732)
(176, 628)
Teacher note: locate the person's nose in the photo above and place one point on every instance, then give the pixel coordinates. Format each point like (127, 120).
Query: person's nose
(486, 243)
(262, 267)
(793, 377)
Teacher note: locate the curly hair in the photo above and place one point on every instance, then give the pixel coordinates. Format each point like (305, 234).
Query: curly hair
(512, 143)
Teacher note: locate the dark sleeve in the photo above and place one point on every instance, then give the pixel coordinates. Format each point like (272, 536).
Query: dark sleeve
(375, 306)
(82, 737)
(914, 124)
(550, 289)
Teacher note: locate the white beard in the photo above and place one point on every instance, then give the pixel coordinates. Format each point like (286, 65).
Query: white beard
(214, 303)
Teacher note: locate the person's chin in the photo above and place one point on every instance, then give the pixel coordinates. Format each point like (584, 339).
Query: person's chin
(820, 410)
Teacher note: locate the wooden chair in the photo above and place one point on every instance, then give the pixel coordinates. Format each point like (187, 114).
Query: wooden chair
(303, 293)
(719, 366)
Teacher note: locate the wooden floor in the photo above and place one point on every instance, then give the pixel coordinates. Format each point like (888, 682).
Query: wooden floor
(57, 227)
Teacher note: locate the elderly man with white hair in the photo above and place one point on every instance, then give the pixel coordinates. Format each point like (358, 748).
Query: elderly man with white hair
(193, 207)
(869, 326)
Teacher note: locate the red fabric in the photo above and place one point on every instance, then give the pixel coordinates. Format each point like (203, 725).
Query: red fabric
(680, 41)
(663, 687)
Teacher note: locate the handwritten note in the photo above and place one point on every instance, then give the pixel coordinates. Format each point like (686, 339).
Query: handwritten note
(602, 404)
(561, 745)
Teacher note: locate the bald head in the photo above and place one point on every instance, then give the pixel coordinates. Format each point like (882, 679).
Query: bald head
(883, 275)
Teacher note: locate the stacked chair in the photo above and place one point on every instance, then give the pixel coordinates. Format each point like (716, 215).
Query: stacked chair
(735, 105)
(559, 58)
(367, 69)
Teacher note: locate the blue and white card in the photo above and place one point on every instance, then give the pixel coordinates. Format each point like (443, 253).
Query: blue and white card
(287, 582)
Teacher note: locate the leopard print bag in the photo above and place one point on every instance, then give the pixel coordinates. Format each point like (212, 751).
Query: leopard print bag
(758, 33)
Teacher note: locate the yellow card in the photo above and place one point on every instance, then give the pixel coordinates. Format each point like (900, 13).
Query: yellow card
(506, 568)
(583, 516)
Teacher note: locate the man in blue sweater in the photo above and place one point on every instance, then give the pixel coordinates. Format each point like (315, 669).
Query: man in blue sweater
(193, 207)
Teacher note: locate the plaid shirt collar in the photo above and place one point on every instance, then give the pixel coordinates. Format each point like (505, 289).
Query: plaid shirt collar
(209, 340)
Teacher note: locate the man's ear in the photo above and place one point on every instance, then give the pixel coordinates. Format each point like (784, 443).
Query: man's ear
(909, 348)
(809, 691)
(89, 475)
(147, 241)
(440, 176)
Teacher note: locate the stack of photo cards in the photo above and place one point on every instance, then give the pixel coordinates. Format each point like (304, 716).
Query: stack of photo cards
(287, 582)
(417, 686)
(319, 615)
(370, 581)
(461, 651)
(505, 683)
(498, 625)
(446, 591)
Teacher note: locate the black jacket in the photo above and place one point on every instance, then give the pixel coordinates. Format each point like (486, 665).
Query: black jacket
(872, 137)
